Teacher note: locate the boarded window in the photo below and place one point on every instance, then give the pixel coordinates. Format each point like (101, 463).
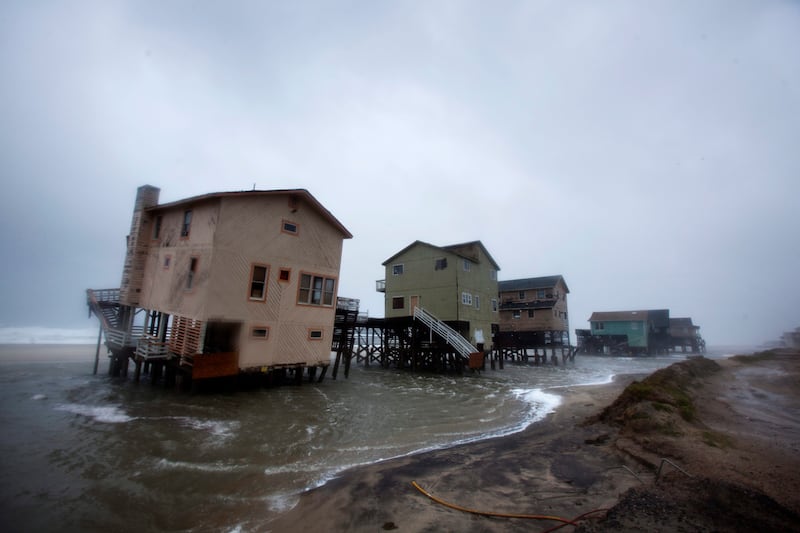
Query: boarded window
(398, 302)
(192, 272)
(259, 332)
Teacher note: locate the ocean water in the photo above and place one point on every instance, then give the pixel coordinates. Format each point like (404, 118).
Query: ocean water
(84, 452)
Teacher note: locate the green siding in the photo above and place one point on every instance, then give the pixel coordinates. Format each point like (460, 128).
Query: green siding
(636, 330)
(440, 291)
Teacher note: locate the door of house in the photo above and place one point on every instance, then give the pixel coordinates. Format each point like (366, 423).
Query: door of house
(413, 301)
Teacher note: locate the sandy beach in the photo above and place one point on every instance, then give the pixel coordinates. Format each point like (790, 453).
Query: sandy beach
(730, 430)
(51, 353)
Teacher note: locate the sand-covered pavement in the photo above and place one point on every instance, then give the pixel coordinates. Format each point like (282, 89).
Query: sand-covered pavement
(729, 428)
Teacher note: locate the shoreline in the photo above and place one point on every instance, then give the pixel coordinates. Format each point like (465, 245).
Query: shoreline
(49, 353)
(572, 462)
(348, 501)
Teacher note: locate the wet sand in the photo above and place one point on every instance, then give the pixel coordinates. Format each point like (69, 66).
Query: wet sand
(51, 353)
(735, 457)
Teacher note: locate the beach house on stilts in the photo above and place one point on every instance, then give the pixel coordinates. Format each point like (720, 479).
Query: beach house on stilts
(225, 284)
(440, 306)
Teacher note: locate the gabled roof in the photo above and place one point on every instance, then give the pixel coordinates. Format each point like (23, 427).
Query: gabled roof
(465, 250)
(300, 194)
(543, 282)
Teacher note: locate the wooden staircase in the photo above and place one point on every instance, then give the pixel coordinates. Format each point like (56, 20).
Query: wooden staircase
(104, 303)
(448, 334)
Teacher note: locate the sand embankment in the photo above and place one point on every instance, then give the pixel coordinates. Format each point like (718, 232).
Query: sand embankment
(732, 425)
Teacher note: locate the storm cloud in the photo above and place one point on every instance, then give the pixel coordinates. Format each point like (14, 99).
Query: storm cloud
(645, 151)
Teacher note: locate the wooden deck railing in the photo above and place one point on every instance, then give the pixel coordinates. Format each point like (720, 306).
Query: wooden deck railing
(150, 347)
(123, 339)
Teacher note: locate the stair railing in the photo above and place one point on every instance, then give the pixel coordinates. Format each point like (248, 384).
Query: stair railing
(448, 334)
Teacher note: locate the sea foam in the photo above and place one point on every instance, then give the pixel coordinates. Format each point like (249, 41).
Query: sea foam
(108, 414)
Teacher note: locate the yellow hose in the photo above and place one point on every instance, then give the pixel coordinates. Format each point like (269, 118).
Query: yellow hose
(491, 513)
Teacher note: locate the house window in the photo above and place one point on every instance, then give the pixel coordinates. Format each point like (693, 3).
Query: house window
(516, 315)
(634, 325)
(259, 332)
(187, 223)
(521, 295)
(441, 264)
(540, 293)
(398, 302)
(167, 261)
(477, 302)
(530, 313)
(598, 325)
(157, 229)
(192, 271)
(283, 275)
(397, 270)
(258, 282)
(316, 290)
(289, 227)
(494, 305)
(493, 274)
(467, 265)
(466, 298)
(315, 334)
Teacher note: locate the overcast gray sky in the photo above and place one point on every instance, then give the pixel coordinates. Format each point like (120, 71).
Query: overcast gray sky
(646, 151)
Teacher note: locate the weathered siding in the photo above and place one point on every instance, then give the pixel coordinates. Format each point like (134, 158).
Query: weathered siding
(435, 288)
(228, 235)
(440, 290)
(553, 318)
(165, 285)
(315, 249)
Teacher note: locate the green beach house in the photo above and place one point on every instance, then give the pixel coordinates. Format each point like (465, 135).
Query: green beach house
(456, 283)
(642, 331)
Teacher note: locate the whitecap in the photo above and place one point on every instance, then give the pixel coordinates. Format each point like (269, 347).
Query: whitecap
(216, 428)
(39, 397)
(217, 466)
(541, 403)
(110, 414)
(282, 502)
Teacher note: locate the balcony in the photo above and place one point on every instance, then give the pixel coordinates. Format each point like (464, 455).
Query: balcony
(380, 285)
